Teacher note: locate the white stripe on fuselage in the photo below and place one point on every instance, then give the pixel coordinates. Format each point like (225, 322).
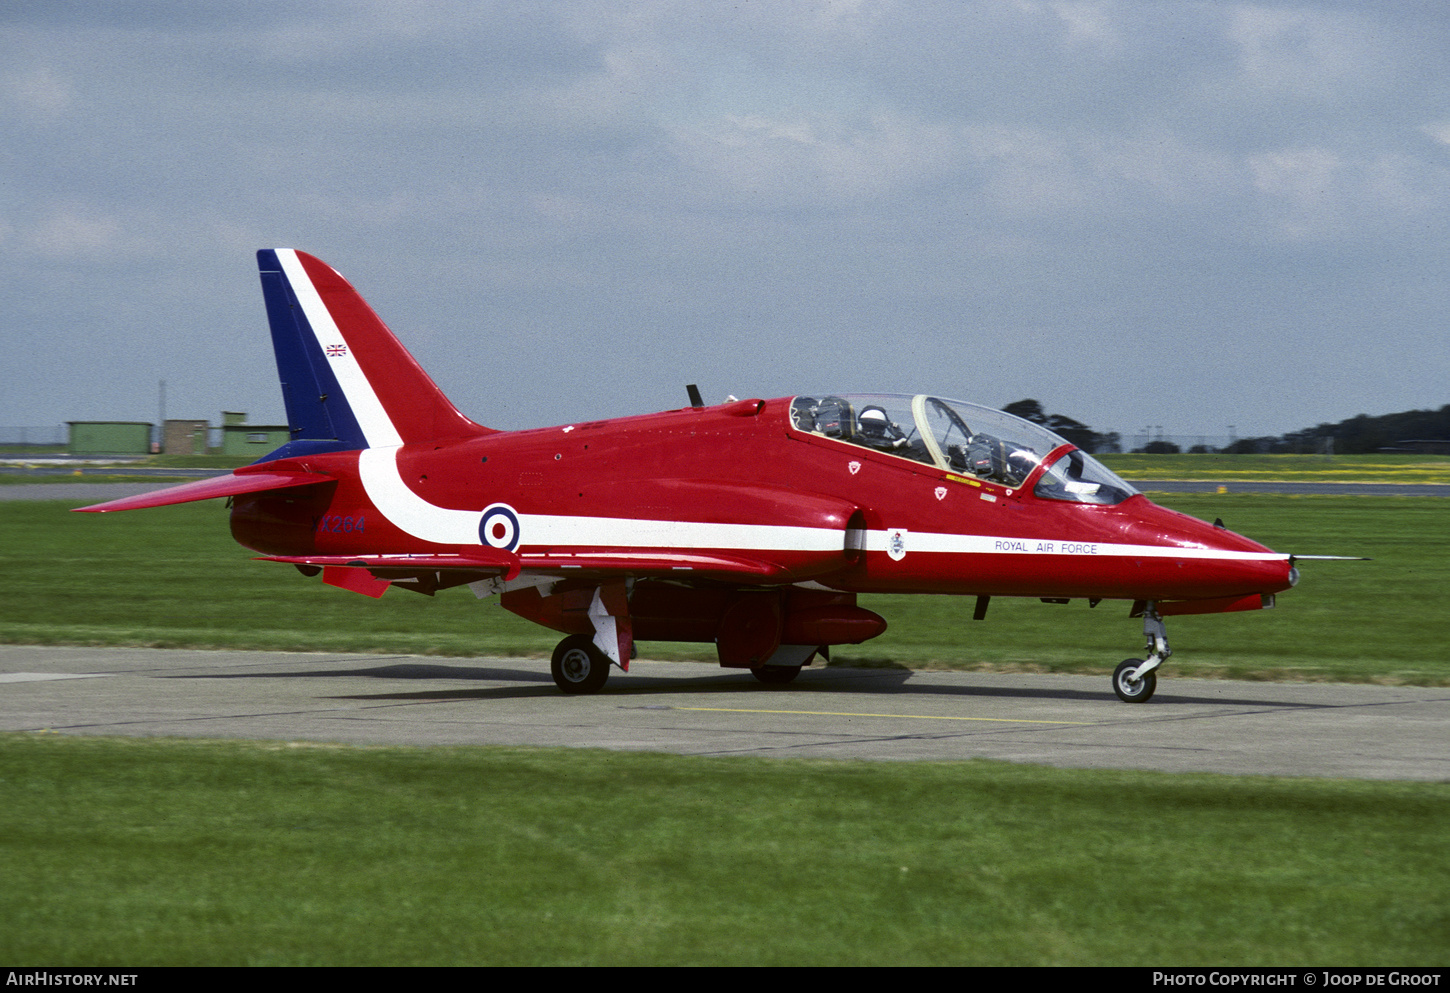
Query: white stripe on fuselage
(981, 544)
(584, 532)
(378, 471)
(377, 426)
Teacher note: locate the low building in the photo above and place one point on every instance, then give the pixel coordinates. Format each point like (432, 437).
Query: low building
(250, 440)
(109, 437)
(184, 437)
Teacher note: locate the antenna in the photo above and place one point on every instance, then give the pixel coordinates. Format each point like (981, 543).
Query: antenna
(694, 392)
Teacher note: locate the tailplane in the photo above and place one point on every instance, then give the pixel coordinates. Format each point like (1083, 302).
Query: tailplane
(346, 381)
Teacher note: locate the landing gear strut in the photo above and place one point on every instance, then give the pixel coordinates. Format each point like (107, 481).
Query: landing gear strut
(1134, 679)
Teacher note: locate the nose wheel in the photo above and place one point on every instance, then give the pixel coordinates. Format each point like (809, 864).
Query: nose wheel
(1130, 687)
(1134, 680)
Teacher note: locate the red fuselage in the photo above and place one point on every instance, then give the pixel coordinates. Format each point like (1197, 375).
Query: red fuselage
(593, 488)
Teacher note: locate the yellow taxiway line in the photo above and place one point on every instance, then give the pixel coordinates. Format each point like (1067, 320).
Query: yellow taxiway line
(915, 717)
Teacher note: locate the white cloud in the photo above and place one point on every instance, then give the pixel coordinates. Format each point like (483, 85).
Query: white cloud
(42, 91)
(1305, 51)
(1439, 130)
(1089, 24)
(818, 160)
(68, 232)
(603, 170)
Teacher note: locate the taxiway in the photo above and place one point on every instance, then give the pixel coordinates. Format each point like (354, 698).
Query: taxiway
(1282, 729)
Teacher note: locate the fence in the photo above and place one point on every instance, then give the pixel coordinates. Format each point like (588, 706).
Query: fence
(1156, 441)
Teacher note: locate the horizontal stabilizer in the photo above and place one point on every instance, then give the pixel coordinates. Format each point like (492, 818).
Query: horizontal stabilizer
(211, 489)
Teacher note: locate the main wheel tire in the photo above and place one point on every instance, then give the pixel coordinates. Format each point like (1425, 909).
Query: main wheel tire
(1133, 691)
(776, 675)
(578, 666)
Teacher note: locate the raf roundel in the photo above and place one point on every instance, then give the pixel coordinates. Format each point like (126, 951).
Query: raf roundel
(499, 527)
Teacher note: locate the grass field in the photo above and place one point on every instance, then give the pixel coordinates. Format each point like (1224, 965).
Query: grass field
(117, 472)
(172, 577)
(157, 852)
(163, 852)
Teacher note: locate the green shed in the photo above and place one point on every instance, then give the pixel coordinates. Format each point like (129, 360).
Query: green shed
(109, 438)
(250, 440)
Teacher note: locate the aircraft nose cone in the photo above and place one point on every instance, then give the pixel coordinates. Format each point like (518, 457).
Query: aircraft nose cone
(1217, 562)
(1248, 565)
(1270, 575)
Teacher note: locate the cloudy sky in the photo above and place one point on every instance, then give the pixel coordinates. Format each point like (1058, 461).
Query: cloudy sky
(1140, 213)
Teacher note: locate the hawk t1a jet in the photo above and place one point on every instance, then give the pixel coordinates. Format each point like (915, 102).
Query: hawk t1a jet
(753, 524)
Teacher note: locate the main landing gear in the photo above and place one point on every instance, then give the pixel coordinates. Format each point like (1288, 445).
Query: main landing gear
(1134, 680)
(578, 666)
(776, 675)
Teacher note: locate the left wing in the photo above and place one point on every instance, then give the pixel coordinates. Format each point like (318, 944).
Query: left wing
(371, 575)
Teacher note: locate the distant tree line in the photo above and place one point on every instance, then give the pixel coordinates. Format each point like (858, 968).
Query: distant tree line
(1358, 434)
(1076, 432)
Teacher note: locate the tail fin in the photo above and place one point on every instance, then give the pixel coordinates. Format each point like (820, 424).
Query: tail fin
(346, 381)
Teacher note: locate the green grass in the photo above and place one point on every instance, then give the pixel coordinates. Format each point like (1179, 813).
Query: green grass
(172, 577)
(163, 852)
(90, 474)
(118, 472)
(198, 461)
(1379, 468)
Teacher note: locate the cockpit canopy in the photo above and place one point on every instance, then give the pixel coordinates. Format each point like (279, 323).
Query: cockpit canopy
(962, 438)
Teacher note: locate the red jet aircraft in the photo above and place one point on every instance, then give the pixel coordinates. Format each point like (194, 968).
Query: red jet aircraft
(754, 524)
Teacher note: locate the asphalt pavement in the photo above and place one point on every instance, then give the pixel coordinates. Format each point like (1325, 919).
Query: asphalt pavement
(691, 708)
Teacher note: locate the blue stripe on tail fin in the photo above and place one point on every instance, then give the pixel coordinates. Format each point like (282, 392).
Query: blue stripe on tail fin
(318, 415)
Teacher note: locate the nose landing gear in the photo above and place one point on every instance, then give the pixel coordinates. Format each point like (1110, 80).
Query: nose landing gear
(1134, 680)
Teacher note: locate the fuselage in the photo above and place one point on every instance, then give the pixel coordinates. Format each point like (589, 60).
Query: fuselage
(744, 479)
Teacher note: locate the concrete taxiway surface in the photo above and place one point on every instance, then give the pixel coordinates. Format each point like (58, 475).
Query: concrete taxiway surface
(1286, 729)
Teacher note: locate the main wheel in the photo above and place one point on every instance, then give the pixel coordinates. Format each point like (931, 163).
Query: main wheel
(578, 666)
(1133, 690)
(776, 675)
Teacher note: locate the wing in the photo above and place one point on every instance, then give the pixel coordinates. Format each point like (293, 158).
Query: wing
(371, 575)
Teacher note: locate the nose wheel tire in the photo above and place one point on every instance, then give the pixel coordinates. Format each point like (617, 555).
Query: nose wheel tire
(1133, 690)
(578, 666)
(776, 675)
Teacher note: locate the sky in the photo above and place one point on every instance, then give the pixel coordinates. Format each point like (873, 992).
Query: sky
(1180, 215)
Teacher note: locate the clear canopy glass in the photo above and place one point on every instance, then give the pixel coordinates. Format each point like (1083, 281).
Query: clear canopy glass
(962, 438)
